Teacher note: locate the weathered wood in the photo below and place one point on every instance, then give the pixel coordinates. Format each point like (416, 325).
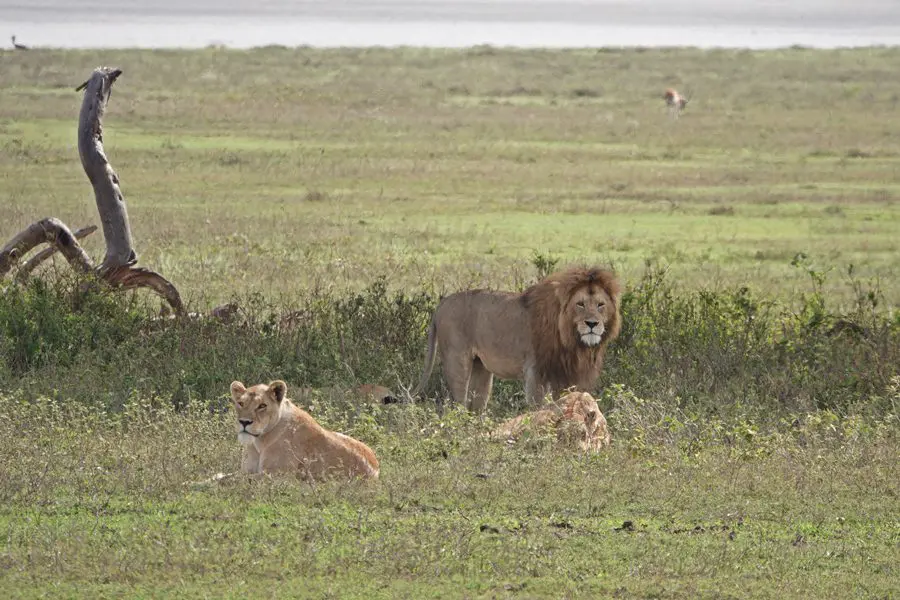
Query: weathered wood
(34, 262)
(52, 231)
(110, 201)
(137, 277)
(117, 267)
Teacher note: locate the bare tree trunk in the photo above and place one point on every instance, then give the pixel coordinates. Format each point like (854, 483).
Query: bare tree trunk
(110, 202)
(117, 266)
(52, 231)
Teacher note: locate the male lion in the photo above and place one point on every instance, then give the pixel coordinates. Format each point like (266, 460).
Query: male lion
(576, 420)
(553, 335)
(280, 437)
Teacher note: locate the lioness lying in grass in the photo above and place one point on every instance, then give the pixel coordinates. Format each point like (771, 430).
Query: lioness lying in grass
(280, 437)
(576, 420)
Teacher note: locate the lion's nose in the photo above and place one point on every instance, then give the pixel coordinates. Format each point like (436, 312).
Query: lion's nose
(592, 324)
(244, 422)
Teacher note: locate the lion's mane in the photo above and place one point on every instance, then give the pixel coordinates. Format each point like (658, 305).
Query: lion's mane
(559, 358)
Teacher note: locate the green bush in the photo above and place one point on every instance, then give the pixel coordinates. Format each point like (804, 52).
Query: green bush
(705, 352)
(44, 324)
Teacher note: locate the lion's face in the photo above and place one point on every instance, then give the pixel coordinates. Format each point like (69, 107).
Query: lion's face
(589, 425)
(257, 408)
(590, 308)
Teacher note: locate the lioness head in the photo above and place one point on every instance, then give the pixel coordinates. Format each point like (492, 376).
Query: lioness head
(590, 308)
(576, 421)
(257, 408)
(584, 422)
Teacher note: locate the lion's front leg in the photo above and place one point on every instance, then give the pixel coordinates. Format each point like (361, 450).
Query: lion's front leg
(250, 459)
(535, 389)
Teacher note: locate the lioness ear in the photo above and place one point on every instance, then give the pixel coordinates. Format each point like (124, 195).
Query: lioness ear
(237, 388)
(278, 389)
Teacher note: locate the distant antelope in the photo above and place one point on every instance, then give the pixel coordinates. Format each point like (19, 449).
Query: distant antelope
(18, 46)
(675, 101)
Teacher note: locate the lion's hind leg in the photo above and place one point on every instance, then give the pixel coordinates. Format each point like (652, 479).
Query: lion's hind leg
(457, 372)
(480, 383)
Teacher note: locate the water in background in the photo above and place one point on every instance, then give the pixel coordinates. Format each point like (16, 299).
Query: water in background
(451, 23)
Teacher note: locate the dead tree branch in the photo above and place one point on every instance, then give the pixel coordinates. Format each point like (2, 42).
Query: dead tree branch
(35, 261)
(117, 267)
(52, 231)
(137, 277)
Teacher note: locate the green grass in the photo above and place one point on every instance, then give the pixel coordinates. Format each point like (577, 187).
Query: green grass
(752, 397)
(755, 453)
(103, 510)
(274, 170)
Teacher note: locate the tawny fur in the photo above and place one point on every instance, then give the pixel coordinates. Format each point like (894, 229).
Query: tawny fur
(553, 336)
(674, 101)
(576, 421)
(280, 437)
(374, 393)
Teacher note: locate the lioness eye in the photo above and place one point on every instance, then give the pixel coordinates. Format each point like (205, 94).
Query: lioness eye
(579, 304)
(260, 407)
(601, 305)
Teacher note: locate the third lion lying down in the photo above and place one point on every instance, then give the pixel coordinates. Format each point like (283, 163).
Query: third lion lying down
(576, 420)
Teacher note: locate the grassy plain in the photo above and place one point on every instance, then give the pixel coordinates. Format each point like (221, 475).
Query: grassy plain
(102, 511)
(756, 438)
(276, 169)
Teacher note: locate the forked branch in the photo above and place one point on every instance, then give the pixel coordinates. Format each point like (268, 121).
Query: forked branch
(117, 267)
(50, 231)
(35, 261)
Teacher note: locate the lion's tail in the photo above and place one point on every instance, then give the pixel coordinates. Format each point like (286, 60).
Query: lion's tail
(429, 359)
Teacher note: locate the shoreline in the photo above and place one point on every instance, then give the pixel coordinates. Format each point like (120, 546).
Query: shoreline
(448, 48)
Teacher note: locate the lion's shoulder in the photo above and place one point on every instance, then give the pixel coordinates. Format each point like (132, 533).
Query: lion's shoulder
(296, 415)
